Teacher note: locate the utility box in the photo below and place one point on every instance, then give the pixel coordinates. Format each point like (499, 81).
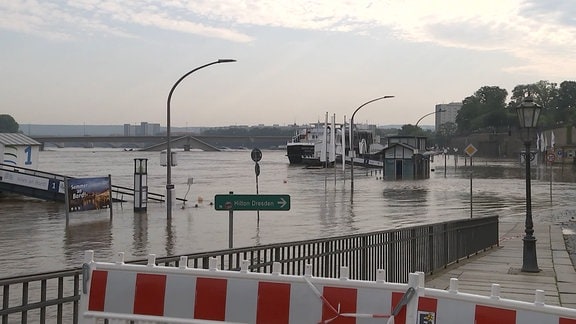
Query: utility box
(164, 160)
(140, 185)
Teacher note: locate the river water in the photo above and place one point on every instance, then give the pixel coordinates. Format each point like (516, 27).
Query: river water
(34, 235)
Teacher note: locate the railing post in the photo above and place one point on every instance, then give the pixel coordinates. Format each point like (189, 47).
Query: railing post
(327, 264)
(413, 251)
(431, 249)
(364, 254)
(393, 262)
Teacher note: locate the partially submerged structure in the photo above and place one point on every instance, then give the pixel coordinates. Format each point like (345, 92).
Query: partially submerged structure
(19, 150)
(406, 158)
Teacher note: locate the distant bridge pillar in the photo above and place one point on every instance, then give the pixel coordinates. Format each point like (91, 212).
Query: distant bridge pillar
(140, 185)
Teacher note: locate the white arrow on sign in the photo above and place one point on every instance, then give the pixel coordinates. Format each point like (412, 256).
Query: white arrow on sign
(282, 202)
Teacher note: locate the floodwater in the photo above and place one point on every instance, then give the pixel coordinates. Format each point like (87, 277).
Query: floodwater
(35, 237)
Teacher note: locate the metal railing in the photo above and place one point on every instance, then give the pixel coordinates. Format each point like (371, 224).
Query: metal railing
(54, 193)
(54, 297)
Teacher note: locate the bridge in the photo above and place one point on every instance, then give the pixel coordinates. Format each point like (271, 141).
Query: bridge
(158, 142)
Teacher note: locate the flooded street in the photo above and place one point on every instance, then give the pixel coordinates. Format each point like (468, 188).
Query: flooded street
(35, 238)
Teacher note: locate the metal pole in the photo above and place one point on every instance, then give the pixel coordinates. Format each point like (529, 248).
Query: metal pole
(445, 164)
(351, 150)
(257, 171)
(551, 176)
(471, 192)
(529, 260)
(169, 185)
(231, 226)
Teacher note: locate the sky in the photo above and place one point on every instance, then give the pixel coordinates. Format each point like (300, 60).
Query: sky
(115, 62)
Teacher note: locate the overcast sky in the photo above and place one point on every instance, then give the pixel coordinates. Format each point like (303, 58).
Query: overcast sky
(114, 62)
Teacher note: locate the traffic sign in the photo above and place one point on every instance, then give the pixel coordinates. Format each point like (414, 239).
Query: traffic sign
(252, 202)
(256, 155)
(551, 157)
(470, 150)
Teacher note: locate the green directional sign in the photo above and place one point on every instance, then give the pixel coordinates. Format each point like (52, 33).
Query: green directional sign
(252, 202)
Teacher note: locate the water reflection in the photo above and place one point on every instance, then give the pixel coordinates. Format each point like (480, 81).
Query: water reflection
(91, 234)
(140, 236)
(170, 237)
(33, 232)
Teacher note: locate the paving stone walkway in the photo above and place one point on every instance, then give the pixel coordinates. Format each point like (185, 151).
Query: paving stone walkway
(502, 264)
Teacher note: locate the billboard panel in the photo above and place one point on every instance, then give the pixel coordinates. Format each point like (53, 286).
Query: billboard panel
(88, 194)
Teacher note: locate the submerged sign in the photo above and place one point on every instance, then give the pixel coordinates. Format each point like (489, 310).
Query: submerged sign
(252, 202)
(88, 194)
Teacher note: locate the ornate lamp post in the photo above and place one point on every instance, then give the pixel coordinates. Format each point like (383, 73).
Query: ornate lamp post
(528, 113)
(351, 150)
(169, 185)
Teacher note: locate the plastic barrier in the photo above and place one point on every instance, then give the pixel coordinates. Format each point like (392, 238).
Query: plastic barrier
(453, 307)
(150, 293)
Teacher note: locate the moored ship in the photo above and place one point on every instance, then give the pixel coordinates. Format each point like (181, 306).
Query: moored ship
(300, 150)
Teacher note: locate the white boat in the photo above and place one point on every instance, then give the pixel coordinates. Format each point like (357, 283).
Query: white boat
(313, 145)
(300, 150)
(322, 144)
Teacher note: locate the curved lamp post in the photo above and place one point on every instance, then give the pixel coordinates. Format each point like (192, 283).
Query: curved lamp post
(419, 120)
(169, 185)
(528, 113)
(428, 114)
(351, 150)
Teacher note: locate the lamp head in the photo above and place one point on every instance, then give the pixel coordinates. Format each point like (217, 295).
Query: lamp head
(528, 112)
(226, 60)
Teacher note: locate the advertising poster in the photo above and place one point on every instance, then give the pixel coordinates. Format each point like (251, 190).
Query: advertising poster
(88, 194)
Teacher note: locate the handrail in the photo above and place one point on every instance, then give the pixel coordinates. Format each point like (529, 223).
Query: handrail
(427, 248)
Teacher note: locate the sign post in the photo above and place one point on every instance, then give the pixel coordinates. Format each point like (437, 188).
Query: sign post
(252, 202)
(232, 202)
(470, 151)
(256, 156)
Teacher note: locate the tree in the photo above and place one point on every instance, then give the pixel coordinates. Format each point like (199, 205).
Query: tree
(483, 111)
(410, 130)
(445, 132)
(8, 124)
(544, 94)
(566, 112)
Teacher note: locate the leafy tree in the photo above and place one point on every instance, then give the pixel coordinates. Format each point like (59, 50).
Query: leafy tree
(8, 124)
(445, 132)
(544, 94)
(566, 112)
(410, 130)
(483, 111)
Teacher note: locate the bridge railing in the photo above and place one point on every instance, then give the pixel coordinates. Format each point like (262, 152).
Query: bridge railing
(54, 297)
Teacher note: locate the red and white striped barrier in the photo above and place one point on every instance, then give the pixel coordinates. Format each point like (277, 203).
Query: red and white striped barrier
(149, 293)
(453, 307)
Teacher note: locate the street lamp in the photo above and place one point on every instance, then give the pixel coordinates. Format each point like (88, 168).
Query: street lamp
(169, 185)
(428, 114)
(419, 120)
(528, 112)
(351, 150)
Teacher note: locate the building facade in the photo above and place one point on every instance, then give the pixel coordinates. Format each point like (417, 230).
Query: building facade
(446, 113)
